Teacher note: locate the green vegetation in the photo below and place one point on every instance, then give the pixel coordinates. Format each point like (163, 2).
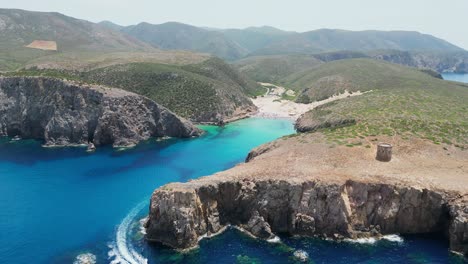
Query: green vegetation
(217, 69)
(273, 69)
(70, 34)
(286, 69)
(197, 91)
(173, 35)
(255, 38)
(404, 102)
(352, 75)
(325, 40)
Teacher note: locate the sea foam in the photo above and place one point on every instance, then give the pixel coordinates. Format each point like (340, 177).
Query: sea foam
(373, 240)
(121, 250)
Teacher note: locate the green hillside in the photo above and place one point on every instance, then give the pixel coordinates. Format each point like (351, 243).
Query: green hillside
(351, 75)
(278, 68)
(202, 92)
(403, 101)
(273, 69)
(20, 28)
(324, 40)
(173, 35)
(255, 38)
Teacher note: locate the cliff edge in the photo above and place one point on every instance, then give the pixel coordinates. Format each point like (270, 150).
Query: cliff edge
(66, 113)
(301, 185)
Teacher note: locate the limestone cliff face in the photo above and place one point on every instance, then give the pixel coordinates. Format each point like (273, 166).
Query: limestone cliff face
(180, 216)
(64, 113)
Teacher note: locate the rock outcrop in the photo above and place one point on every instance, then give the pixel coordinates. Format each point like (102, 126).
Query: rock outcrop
(455, 61)
(65, 113)
(180, 216)
(439, 62)
(314, 191)
(310, 125)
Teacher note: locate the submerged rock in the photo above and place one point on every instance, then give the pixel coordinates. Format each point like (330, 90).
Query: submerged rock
(301, 255)
(65, 113)
(91, 147)
(85, 258)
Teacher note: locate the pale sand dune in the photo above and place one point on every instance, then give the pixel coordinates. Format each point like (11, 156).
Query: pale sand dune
(272, 106)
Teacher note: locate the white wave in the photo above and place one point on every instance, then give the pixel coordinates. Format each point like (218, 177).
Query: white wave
(393, 238)
(363, 240)
(275, 239)
(121, 250)
(373, 240)
(142, 225)
(114, 255)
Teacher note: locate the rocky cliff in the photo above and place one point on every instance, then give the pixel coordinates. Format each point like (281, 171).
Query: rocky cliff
(65, 113)
(310, 208)
(449, 61)
(279, 191)
(439, 62)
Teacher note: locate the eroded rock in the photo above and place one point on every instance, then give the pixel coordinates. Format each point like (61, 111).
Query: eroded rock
(65, 113)
(180, 216)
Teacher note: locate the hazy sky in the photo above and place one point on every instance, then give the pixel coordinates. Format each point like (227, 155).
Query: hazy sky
(446, 19)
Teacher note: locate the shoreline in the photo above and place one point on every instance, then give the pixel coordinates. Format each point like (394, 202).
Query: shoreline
(357, 198)
(273, 105)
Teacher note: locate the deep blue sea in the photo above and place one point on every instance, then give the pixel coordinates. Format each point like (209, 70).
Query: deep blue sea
(458, 77)
(60, 203)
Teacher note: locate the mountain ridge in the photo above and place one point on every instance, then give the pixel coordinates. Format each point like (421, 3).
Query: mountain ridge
(267, 40)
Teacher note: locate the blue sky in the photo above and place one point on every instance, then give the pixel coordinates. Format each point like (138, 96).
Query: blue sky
(444, 19)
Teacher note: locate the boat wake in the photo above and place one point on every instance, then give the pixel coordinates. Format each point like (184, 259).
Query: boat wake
(122, 250)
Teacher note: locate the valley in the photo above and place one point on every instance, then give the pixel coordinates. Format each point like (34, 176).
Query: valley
(173, 143)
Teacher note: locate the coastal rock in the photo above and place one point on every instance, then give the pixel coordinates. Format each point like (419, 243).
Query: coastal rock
(309, 125)
(438, 62)
(85, 258)
(294, 188)
(301, 255)
(258, 227)
(179, 217)
(65, 113)
(458, 230)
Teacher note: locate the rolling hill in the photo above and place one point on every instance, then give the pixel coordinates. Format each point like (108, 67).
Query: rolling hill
(275, 68)
(19, 28)
(402, 102)
(233, 44)
(324, 40)
(178, 36)
(255, 38)
(272, 69)
(206, 92)
(352, 75)
(194, 85)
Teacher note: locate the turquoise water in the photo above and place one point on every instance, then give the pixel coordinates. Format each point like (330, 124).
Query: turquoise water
(57, 203)
(458, 77)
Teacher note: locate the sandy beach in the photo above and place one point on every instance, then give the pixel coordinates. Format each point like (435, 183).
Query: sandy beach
(272, 105)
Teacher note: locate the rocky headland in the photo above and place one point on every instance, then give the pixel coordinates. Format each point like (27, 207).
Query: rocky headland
(302, 185)
(66, 113)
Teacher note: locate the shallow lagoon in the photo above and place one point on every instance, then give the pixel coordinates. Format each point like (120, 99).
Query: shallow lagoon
(57, 203)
